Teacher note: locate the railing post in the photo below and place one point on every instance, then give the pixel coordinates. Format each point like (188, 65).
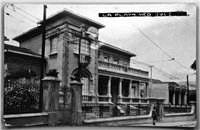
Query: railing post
(101, 110)
(138, 109)
(128, 110)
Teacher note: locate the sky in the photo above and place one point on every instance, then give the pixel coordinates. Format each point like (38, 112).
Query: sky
(154, 40)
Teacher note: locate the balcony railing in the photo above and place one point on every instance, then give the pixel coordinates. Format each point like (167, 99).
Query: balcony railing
(122, 69)
(86, 98)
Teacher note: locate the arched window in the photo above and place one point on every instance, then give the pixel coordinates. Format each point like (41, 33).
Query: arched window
(85, 79)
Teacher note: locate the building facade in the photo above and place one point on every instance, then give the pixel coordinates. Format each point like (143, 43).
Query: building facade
(105, 70)
(172, 92)
(19, 62)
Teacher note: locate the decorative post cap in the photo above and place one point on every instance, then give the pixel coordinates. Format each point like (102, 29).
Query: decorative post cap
(52, 72)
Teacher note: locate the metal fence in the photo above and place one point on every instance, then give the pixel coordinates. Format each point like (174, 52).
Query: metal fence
(176, 108)
(21, 96)
(105, 111)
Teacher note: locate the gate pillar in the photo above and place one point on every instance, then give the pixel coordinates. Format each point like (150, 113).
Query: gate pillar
(51, 98)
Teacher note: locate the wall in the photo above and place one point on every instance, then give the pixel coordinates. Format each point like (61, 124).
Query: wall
(113, 55)
(160, 90)
(15, 62)
(35, 44)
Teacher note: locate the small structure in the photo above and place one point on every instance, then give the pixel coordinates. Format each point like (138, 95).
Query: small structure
(173, 93)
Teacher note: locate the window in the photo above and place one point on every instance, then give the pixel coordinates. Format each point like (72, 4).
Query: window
(106, 58)
(85, 80)
(53, 45)
(85, 47)
(115, 61)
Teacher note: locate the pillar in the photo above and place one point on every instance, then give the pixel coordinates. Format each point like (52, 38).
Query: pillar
(139, 90)
(174, 98)
(147, 90)
(120, 91)
(51, 98)
(109, 89)
(185, 98)
(130, 89)
(179, 98)
(135, 90)
(76, 112)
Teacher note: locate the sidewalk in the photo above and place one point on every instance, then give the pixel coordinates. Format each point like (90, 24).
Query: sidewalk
(171, 124)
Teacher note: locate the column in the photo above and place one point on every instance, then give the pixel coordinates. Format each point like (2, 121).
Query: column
(120, 91)
(135, 90)
(147, 90)
(174, 98)
(185, 97)
(130, 89)
(109, 89)
(76, 115)
(179, 98)
(139, 90)
(51, 98)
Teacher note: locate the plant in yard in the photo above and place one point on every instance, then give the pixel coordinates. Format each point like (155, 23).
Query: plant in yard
(20, 95)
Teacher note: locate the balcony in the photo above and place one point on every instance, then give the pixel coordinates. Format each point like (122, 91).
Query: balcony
(122, 69)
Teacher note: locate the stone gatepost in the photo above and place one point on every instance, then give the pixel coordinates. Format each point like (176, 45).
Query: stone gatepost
(51, 98)
(76, 114)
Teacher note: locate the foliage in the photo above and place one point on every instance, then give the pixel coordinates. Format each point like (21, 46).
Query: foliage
(21, 94)
(193, 66)
(52, 72)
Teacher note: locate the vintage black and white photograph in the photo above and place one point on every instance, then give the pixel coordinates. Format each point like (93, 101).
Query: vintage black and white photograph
(100, 65)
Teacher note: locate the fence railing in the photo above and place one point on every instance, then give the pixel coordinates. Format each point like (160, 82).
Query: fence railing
(105, 111)
(21, 96)
(176, 108)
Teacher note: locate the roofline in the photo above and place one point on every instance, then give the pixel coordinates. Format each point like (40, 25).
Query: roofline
(23, 53)
(117, 48)
(62, 12)
(65, 10)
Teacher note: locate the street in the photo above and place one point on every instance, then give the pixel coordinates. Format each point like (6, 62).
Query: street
(171, 124)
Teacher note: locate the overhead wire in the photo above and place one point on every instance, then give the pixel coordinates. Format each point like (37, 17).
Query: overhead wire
(67, 38)
(25, 11)
(156, 44)
(22, 15)
(162, 62)
(156, 69)
(8, 14)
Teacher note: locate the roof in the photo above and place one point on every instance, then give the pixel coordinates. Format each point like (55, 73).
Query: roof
(122, 51)
(20, 50)
(67, 12)
(63, 13)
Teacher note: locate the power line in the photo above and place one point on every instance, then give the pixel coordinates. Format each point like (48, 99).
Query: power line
(36, 22)
(17, 19)
(22, 15)
(162, 62)
(156, 69)
(159, 61)
(25, 12)
(156, 44)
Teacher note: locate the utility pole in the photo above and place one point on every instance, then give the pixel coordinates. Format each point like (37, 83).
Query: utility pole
(79, 54)
(151, 82)
(43, 55)
(188, 90)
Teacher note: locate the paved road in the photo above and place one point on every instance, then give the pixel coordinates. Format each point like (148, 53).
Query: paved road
(171, 124)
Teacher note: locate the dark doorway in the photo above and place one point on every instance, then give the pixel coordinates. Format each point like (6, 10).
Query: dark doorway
(114, 89)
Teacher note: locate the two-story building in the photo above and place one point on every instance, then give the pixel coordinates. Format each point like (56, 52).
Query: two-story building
(105, 73)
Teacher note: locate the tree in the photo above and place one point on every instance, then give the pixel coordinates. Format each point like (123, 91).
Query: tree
(193, 66)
